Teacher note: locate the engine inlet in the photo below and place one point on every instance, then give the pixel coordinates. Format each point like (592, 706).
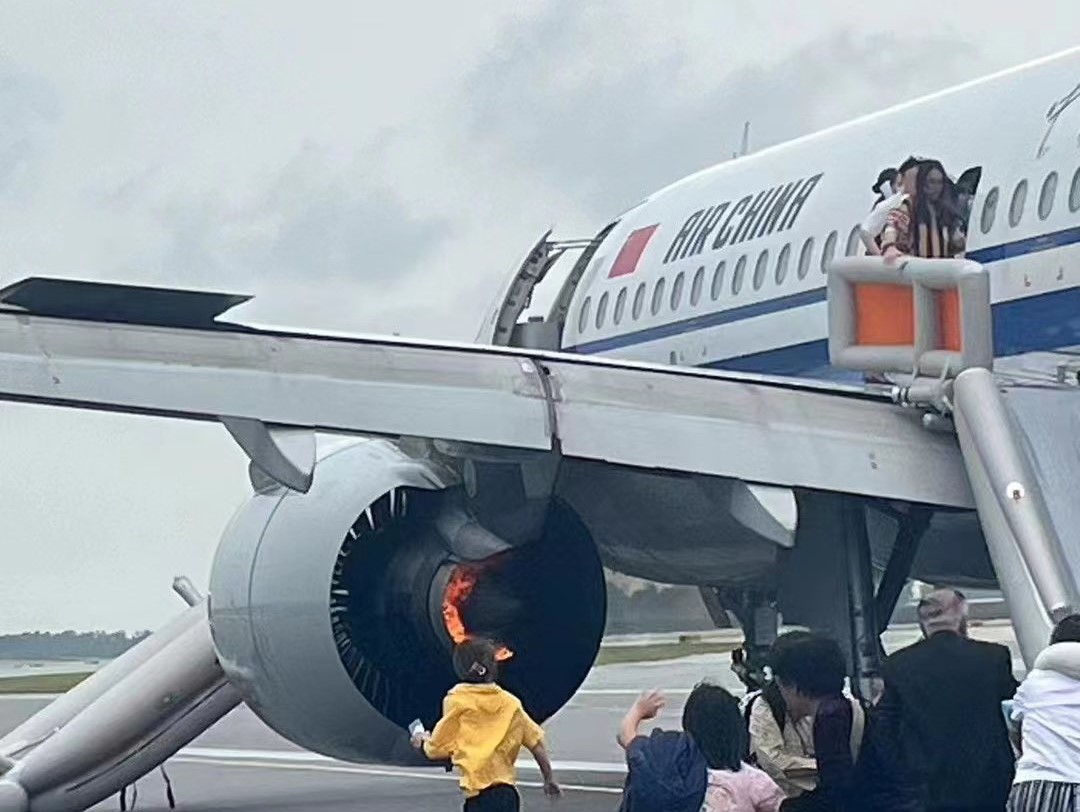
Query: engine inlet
(400, 600)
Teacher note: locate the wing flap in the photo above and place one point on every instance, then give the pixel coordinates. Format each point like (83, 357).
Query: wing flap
(755, 432)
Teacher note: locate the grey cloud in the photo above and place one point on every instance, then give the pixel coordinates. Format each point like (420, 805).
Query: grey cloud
(313, 222)
(127, 193)
(615, 137)
(28, 111)
(560, 122)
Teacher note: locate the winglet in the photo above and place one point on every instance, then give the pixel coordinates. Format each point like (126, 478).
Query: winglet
(126, 304)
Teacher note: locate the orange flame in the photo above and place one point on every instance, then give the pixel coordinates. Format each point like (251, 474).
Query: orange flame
(461, 585)
(462, 582)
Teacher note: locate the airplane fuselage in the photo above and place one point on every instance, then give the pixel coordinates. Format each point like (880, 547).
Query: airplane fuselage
(726, 268)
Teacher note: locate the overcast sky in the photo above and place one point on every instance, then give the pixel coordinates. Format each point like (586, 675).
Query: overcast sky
(375, 171)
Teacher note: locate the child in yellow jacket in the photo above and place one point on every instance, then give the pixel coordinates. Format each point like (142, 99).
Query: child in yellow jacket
(482, 730)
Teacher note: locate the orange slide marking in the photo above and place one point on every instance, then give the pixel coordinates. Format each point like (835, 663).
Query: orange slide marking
(884, 315)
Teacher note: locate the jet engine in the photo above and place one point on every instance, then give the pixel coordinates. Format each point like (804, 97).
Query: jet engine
(335, 612)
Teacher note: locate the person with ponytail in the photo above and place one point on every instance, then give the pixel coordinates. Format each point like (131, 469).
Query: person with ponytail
(482, 730)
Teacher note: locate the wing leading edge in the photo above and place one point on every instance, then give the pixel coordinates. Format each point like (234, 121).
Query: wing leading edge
(757, 429)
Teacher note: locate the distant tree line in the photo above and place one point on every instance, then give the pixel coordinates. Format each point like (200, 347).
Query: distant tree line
(69, 645)
(641, 608)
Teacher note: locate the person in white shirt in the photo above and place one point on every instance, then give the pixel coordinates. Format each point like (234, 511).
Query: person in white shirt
(887, 184)
(1047, 708)
(780, 745)
(783, 747)
(890, 195)
(800, 712)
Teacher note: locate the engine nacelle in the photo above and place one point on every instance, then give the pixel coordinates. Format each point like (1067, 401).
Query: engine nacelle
(327, 608)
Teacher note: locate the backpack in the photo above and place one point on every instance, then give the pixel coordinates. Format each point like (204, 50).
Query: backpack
(771, 694)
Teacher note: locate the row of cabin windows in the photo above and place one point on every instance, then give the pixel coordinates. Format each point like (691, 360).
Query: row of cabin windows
(1047, 196)
(737, 282)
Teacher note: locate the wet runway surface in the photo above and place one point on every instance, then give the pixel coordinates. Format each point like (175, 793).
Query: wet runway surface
(225, 788)
(241, 764)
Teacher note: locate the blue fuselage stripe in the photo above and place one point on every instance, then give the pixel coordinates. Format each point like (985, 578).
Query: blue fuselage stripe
(1009, 333)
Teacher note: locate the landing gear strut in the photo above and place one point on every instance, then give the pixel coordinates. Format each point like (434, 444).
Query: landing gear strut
(871, 611)
(912, 527)
(826, 581)
(759, 617)
(865, 637)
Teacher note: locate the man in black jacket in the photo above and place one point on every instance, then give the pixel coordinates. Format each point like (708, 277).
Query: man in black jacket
(938, 740)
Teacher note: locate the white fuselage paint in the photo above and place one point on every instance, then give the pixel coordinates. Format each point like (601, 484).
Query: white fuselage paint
(1021, 127)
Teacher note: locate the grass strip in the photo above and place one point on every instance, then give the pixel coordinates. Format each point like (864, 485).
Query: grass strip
(41, 683)
(617, 655)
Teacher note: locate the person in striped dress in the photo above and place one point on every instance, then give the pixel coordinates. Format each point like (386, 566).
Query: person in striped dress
(1047, 708)
(928, 223)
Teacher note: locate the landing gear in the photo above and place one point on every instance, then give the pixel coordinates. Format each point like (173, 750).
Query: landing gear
(871, 611)
(826, 582)
(865, 637)
(757, 613)
(911, 528)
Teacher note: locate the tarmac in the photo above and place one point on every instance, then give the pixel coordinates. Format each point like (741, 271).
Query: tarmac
(240, 764)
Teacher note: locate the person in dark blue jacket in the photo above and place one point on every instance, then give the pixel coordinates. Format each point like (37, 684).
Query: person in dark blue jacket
(665, 770)
(703, 768)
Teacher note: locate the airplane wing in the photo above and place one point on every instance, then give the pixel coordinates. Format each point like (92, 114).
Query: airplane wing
(167, 352)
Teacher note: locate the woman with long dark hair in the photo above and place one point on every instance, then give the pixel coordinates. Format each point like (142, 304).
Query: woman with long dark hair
(929, 223)
(938, 228)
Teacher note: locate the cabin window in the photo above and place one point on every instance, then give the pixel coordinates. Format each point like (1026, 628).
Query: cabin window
(620, 306)
(805, 256)
(639, 302)
(697, 286)
(601, 311)
(677, 289)
(761, 269)
(966, 187)
(658, 295)
(1046, 196)
(737, 276)
(1016, 208)
(583, 316)
(829, 251)
(1074, 193)
(989, 212)
(718, 280)
(854, 240)
(782, 263)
